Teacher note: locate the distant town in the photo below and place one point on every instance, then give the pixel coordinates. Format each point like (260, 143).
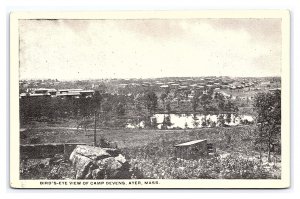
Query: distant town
(179, 87)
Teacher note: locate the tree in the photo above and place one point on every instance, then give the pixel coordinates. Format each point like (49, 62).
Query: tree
(166, 122)
(268, 108)
(186, 93)
(186, 126)
(139, 103)
(221, 120)
(168, 107)
(195, 121)
(26, 111)
(75, 106)
(230, 107)
(120, 109)
(210, 91)
(228, 118)
(84, 104)
(97, 99)
(36, 105)
(205, 101)
(151, 102)
(204, 121)
(163, 98)
(102, 88)
(52, 112)
(107, 106)
(195, 102)
(220, 99)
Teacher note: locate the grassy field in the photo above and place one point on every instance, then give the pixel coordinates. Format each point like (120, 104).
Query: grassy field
(130, 138)
(151, 152)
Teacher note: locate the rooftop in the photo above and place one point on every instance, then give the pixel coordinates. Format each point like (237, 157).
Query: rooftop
(72, 89)
(87, 91)
(69, 94)
(164, 86)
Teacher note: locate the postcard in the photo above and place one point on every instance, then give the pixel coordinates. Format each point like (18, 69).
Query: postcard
(150, 99)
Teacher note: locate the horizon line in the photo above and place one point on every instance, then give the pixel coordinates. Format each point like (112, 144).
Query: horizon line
(124, 78)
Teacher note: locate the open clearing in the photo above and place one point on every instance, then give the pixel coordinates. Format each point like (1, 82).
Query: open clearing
(151, 152)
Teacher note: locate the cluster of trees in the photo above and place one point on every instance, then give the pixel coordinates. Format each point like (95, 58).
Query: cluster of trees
(146, 101)
(46, 108)
(212, 102)
(268, 109)
(201, 102)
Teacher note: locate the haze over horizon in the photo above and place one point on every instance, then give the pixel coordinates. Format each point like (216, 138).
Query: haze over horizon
(103, 49)
(97, 79)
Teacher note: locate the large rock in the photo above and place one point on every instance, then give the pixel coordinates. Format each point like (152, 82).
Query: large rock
(99, 163)
(109, 163)
(81, 165)
(94, 153)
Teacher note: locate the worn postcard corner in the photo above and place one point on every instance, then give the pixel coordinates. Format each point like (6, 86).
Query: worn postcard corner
(156, 99)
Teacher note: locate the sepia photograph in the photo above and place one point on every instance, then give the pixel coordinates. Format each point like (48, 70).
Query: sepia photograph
(150, 99)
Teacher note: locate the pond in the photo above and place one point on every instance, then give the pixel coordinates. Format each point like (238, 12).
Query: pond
(184, 121)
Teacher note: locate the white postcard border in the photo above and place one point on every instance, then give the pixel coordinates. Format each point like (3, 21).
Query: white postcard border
(15, 182)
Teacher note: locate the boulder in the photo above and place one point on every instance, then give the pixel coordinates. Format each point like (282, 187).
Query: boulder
(98, 163)
(109, 163)
(81, 165)
(93, 153)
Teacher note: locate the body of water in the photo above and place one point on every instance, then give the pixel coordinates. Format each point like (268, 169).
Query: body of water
(183, 121)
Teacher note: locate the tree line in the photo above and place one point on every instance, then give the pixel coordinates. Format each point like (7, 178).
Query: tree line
(46, 108)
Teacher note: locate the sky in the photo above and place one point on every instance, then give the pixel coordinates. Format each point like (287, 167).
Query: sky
(149, 48)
